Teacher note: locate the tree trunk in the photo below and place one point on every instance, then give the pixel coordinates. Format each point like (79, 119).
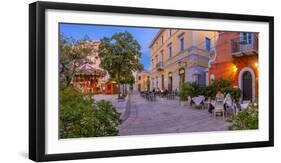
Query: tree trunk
(123, 92)
(119, 85)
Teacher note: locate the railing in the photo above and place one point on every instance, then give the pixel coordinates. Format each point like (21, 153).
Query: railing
(160, 66)
(240, 46)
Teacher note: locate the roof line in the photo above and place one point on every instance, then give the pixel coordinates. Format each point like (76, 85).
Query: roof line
(154, 39)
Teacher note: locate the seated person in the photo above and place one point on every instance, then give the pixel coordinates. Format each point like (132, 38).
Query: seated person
(227, 101)
(219, 97)
(219, 100)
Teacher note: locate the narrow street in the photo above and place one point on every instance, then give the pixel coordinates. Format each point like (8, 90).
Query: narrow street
(167, 116)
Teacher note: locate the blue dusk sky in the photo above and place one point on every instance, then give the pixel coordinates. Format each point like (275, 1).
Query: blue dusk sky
(96, 32)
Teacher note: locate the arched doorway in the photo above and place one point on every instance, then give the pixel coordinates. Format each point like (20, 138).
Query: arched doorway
(247, 84)
(170, 82)
(182, 76)
(247, 92)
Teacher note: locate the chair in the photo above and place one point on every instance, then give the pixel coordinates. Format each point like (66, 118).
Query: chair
(219, 108)
(229, 107)
(206, 103)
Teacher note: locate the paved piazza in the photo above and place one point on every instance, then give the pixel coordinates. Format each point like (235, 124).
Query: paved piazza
(162, 116)
(167, 116)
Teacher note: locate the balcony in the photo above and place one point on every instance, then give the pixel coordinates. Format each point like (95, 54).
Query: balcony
(248, 46)
(160, 66)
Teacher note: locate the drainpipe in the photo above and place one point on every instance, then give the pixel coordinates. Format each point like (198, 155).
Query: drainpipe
(212, 58)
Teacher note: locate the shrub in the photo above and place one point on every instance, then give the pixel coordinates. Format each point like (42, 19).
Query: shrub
(209, 91)
(80, 117)
(194, 89)
(234, 92)
(220, 84)
(189, 89)
(246, 119)
(224, 85)
(183, 92)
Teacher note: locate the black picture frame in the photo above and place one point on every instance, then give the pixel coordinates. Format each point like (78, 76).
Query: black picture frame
(37, 79)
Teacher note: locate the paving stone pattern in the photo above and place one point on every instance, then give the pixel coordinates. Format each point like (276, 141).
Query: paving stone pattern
(167, 116)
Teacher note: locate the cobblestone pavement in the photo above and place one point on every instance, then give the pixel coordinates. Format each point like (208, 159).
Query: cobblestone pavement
(167, 116)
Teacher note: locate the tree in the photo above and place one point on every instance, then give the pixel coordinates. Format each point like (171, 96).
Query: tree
(79, 117)
(120, 56)
(73, 53)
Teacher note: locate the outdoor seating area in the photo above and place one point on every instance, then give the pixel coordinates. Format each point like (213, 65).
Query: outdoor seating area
(152, 95)
(223, 106)
(149, 96)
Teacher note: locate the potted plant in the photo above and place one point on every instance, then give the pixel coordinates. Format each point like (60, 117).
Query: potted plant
(183, 94)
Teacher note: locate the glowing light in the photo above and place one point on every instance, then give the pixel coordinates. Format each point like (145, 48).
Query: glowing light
(256, 64)
(234, 68)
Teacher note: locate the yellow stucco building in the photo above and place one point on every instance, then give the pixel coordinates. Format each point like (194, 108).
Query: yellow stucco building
(178, 56)
(143, 81)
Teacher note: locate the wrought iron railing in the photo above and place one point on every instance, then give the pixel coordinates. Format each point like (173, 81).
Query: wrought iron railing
(160, 65)
(239, 45)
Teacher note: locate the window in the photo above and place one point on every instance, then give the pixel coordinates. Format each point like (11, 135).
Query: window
(162, 58)
(170, 51)
(162, 39)
(152, 64)
(139, 77)
(181, 44)
(249, 38)
(246, 38)
(207, 44)
(156, 58)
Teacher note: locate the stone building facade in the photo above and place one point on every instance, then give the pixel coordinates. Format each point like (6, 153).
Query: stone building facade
(178, 56)
(143, 81)
(236, 59)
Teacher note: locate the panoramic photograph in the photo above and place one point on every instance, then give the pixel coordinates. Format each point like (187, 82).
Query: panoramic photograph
(121, 80)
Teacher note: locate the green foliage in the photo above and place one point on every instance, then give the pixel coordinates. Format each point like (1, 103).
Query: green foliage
(246, 119)
(190, 89)
(183, 92)
(234, 92)
(79, 117)
(208, 91)
(194, 89)
(120, 56)
(73, 53)
(220, 84)
(128, 79)
(224, 85)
